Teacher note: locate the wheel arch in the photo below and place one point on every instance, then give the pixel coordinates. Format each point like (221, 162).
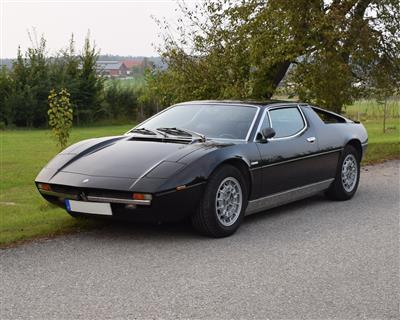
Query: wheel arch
(243, 167)
(355, 143)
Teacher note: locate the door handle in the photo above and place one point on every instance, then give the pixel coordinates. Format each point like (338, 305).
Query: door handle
(311, 139)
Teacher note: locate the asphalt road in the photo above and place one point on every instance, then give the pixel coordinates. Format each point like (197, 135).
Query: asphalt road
(313, 259)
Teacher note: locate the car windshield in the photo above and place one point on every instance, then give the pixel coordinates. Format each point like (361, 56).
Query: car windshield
(215, 121)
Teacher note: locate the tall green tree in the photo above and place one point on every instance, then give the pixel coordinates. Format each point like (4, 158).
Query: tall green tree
(384, 83)
(64, 71)
(6, 90)
(24, 88)
(243, 49)
(90, 84)
(120, 101)
(30, 77)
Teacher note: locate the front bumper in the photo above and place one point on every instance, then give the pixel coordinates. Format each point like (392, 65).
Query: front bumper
(172, 205)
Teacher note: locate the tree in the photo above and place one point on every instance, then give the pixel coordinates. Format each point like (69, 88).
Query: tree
(90, 84)
(120, 102)
(60, 116)
(384, 83)
(6, 87)
(30, 78)
(243, 49)
(24, 89)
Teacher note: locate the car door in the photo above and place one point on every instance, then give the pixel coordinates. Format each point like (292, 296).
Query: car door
(287, 160)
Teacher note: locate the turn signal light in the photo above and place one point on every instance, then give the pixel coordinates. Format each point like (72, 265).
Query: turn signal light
(141, 196)
(44, 186)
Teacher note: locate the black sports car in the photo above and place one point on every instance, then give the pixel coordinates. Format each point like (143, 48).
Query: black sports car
(214, 161)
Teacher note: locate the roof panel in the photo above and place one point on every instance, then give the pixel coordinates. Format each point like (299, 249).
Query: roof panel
(244, 102)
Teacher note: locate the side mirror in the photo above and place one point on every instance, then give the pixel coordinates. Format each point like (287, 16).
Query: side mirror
(267, 133)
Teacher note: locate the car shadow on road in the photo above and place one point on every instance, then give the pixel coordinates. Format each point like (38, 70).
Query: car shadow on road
(184, 230)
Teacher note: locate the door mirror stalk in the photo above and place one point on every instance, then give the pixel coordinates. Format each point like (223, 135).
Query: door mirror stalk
(266, 133)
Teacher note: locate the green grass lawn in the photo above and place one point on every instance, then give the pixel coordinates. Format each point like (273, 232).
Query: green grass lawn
(25, 215)
(382, 146)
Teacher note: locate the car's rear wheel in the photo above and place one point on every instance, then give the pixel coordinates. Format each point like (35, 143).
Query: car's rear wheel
(223, 205)
(347, 176)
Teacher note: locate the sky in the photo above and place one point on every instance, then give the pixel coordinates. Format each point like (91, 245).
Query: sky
(122, 27)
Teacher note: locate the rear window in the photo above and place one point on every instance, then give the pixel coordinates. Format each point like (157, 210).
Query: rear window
(328, 117)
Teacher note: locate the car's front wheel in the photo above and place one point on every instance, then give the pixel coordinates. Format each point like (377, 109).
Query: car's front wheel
(347, 176)
(223, 205)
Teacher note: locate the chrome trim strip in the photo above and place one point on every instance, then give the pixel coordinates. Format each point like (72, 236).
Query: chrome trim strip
(209, 103)
(252, 124)
(260, 123)
(299, 158)
(95, 199)
(59, 194)
(285, 197)
(119, 200)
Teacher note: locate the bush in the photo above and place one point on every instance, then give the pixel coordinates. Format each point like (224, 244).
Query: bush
(120, 102)
(24, 89)
(60, 116)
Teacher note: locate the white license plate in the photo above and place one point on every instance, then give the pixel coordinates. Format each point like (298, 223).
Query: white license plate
(88, 207)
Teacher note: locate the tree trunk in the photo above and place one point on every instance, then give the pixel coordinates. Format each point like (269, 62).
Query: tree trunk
(384, 115)
(77, 116)
(268, 79)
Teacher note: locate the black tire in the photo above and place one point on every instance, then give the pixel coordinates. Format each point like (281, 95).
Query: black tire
(74, 214)
(205, 219)
(337, 191)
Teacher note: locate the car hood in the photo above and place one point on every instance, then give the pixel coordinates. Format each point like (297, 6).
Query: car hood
(128, 158)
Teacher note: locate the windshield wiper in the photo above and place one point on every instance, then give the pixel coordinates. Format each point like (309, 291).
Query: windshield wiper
(148, 131)
(182, 132)
(144, 131)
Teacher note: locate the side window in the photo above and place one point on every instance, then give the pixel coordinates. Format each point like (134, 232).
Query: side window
(286, 121)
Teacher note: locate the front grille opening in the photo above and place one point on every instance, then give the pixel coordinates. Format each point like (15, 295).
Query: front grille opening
(91, 192)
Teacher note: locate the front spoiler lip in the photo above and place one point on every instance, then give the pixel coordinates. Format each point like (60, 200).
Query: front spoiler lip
(95, 198)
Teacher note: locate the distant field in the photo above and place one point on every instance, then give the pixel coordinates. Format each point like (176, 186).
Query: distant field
(25, 215)
(370, 109)
(128, 82)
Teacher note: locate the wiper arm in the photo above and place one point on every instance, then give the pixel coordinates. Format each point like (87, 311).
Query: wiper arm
(201, 136)
(144, 131)
(182, 132)
(148, 131)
